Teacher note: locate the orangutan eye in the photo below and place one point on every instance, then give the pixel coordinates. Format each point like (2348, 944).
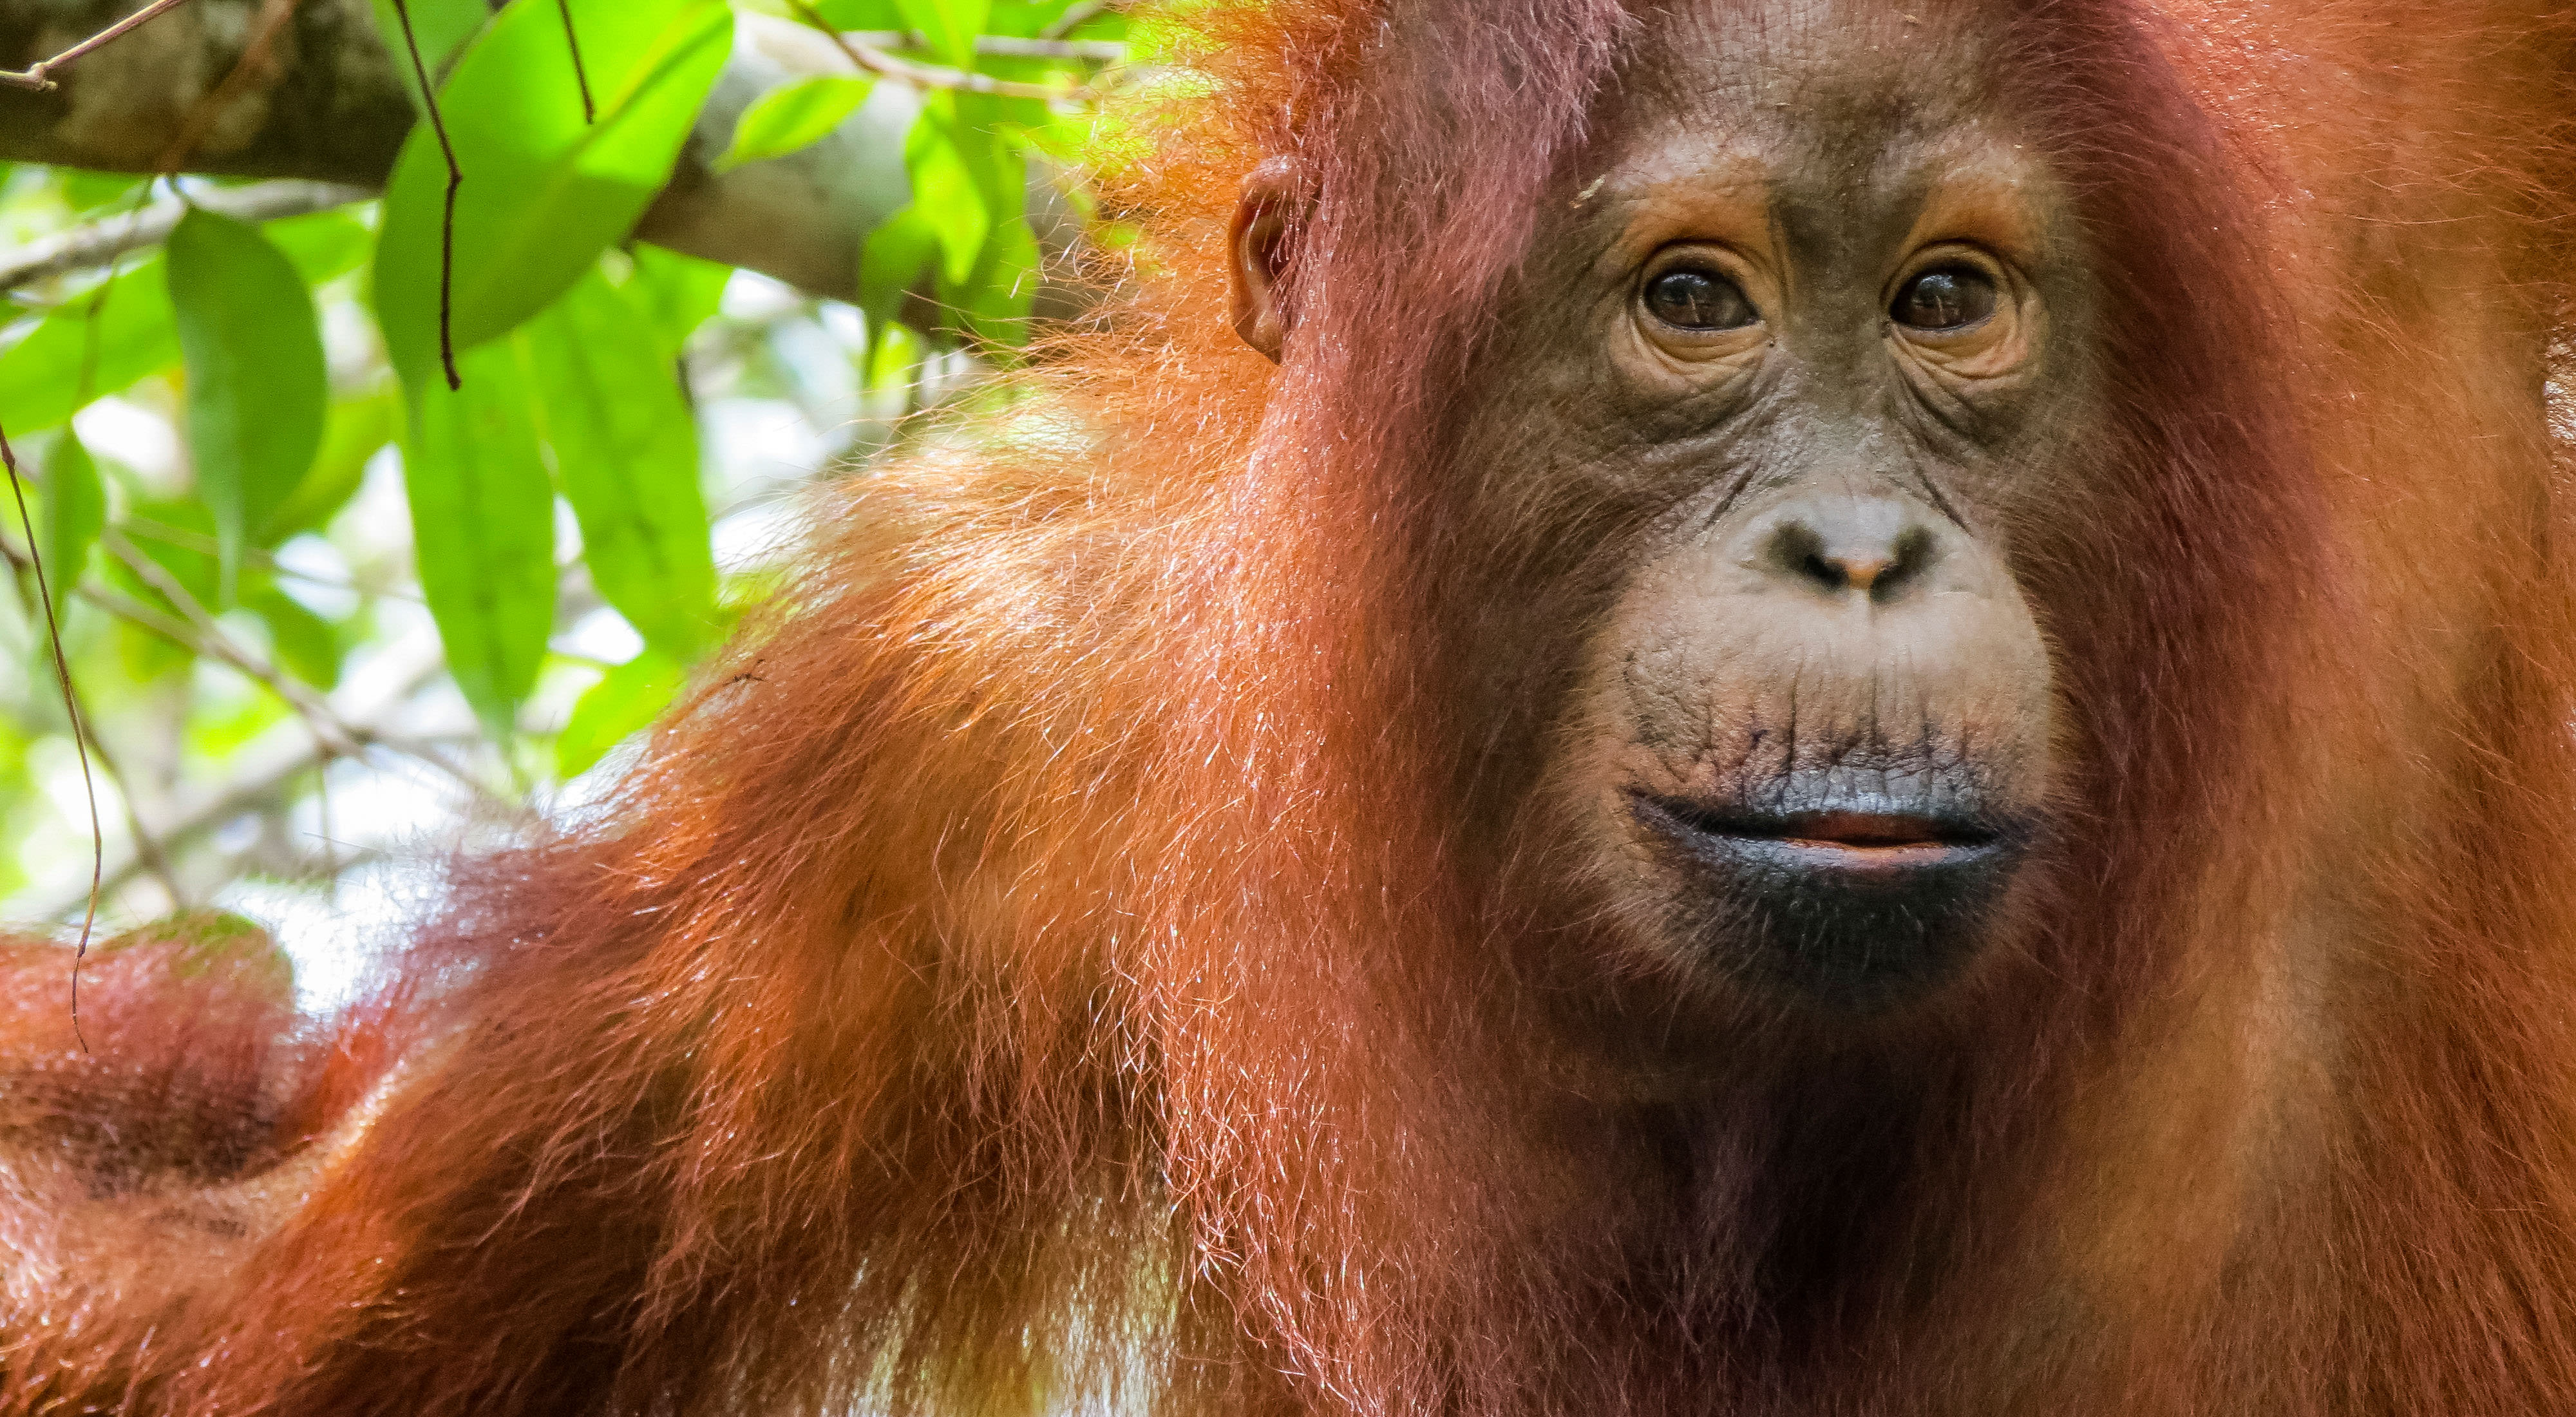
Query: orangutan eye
(1691, 299)
(1945, 298)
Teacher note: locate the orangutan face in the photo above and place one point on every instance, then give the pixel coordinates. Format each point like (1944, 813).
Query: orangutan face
(1787, 362)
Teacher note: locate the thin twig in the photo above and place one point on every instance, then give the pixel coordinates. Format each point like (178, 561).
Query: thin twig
(343, 728)
(251, 66)
(80, 729)
(81, 743)
(100, 242)
(1003, 46)
(447, 224)
(259, 557)
(931, 76)
(204, 634)
(335, 735)
(210, 637)
(38, 76)
(270, 763)
(580, 76)
(147, 850)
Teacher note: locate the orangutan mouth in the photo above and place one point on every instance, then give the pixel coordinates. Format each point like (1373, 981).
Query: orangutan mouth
(1854, 902)
(1874, 844)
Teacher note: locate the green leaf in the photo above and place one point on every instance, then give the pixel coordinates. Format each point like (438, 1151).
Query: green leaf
(257, 386)
(1024, 17)
(677, 293)
(1028, 17)
(893, 258)
(993, 304)
(984, 128)
(354, 431)
(862, 14)
(441, 26)
(543, 192)
(626, 454)
(98, 344)
(620, 705)
(323, 245)
(306, 644)
(72, 515)
(793, 116)
(483, 528)
(949, 25)
(84, 190)
(946, 191)
(893, 353)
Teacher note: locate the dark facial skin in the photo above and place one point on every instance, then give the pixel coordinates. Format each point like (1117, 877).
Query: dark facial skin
(1792, 354)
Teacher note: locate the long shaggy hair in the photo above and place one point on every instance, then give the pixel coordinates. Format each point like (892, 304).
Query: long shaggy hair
(1037, 971)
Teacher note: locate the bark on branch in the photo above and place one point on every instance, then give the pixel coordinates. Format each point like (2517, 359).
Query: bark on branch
(85, 247)
(330, 108)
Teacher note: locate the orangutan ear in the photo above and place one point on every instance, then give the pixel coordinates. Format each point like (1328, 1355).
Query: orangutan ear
(1274, 202)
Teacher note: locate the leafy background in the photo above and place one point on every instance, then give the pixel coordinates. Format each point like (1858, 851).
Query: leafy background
(319, 602)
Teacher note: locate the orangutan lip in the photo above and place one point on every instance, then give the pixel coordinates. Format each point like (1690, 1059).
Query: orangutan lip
(1862, 843)
(1850, 894)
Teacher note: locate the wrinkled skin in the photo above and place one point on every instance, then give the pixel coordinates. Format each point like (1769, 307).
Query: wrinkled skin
(1809, 736)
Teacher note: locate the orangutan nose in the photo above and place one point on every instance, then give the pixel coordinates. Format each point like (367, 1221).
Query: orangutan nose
(1878, 548)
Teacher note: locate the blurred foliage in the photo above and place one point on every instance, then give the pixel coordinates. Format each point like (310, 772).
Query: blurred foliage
(313, 597)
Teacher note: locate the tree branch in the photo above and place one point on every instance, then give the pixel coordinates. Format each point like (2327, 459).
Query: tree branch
(854, 47)
(330, 107)
(35, 76)
(100, 242)
(1090, 51)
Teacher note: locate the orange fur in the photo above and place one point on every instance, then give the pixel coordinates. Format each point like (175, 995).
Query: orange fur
(1051, 983)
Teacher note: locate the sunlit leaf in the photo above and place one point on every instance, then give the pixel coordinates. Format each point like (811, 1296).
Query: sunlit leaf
(677, 293)
(72, 514)
(323, 245)
(949, 25)
(979, 125)
(994, 302)
(84, 190)
(862, 14)
(223, 725)
(1024, 17)
(105, 338)
(946, 192)
(544, 192)
(895, 350)
(257, 386)
(626, 454)
(893, 258)
(793, 116)
(620, 705)
(483, 523)
(441, 27)
(99, 343)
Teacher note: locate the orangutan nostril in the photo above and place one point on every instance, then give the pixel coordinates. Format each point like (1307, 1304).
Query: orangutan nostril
(1841, 559)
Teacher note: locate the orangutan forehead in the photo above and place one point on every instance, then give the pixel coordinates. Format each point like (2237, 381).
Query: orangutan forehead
(1750, 184)
(1842, 74)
